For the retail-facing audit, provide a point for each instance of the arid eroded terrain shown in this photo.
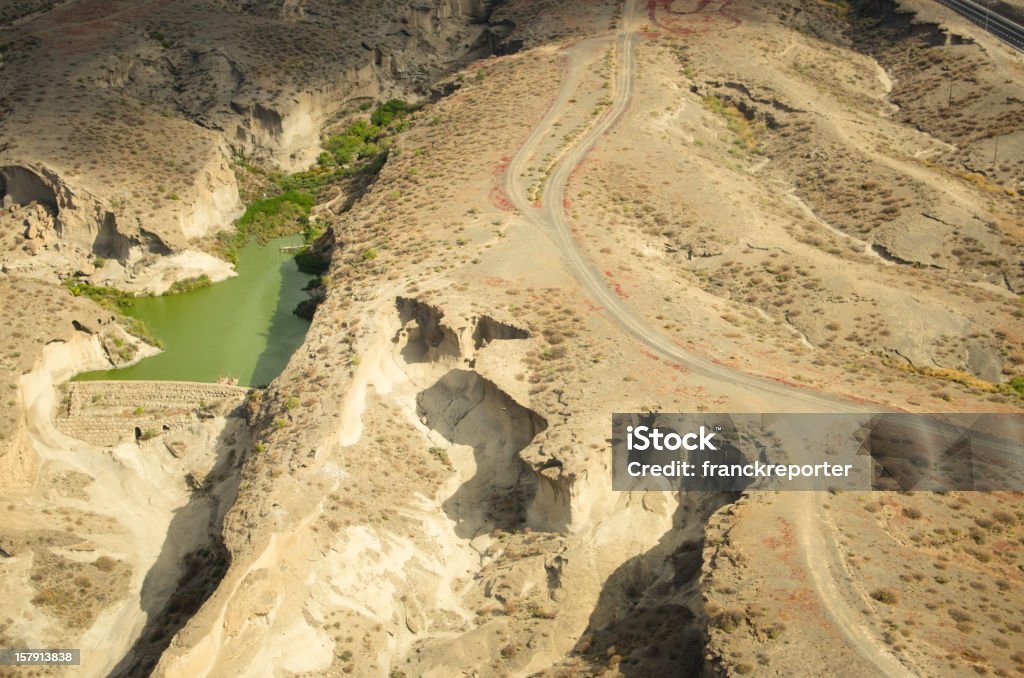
(524, 216)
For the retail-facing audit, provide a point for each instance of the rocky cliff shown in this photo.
(59, 336)
(122, 120)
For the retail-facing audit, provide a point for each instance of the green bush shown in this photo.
(114, 300)
(189, 285)
(270, 218)
(360, 150)
(441, 455)
(358, 141)
(109, 298)
(141, 330)
(388, 111)
(283, 214)
(160, 38)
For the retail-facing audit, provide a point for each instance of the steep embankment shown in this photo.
(102, 548)
(123, 117)
(430, 488)
(45, 344)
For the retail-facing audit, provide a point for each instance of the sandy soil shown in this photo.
(96, 493)
(165, 271)
(659, 210)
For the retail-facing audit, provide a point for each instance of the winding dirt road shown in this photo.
(551, 215)
(817, 545)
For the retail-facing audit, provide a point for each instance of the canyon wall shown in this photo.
(125, 140)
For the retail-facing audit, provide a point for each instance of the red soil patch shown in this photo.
(709, 16)
(498, 197)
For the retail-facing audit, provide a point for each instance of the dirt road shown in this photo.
(816, 537)
(821, 556)
(551, 215)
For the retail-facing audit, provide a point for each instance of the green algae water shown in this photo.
(242, 327)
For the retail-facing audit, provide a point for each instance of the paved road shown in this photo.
(1003, 28)
(774, 395)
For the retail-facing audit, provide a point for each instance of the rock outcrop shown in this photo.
(141, 125)
(72, 222)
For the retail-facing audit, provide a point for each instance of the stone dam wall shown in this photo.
(106, 413)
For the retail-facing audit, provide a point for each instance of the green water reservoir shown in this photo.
(242, 327)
